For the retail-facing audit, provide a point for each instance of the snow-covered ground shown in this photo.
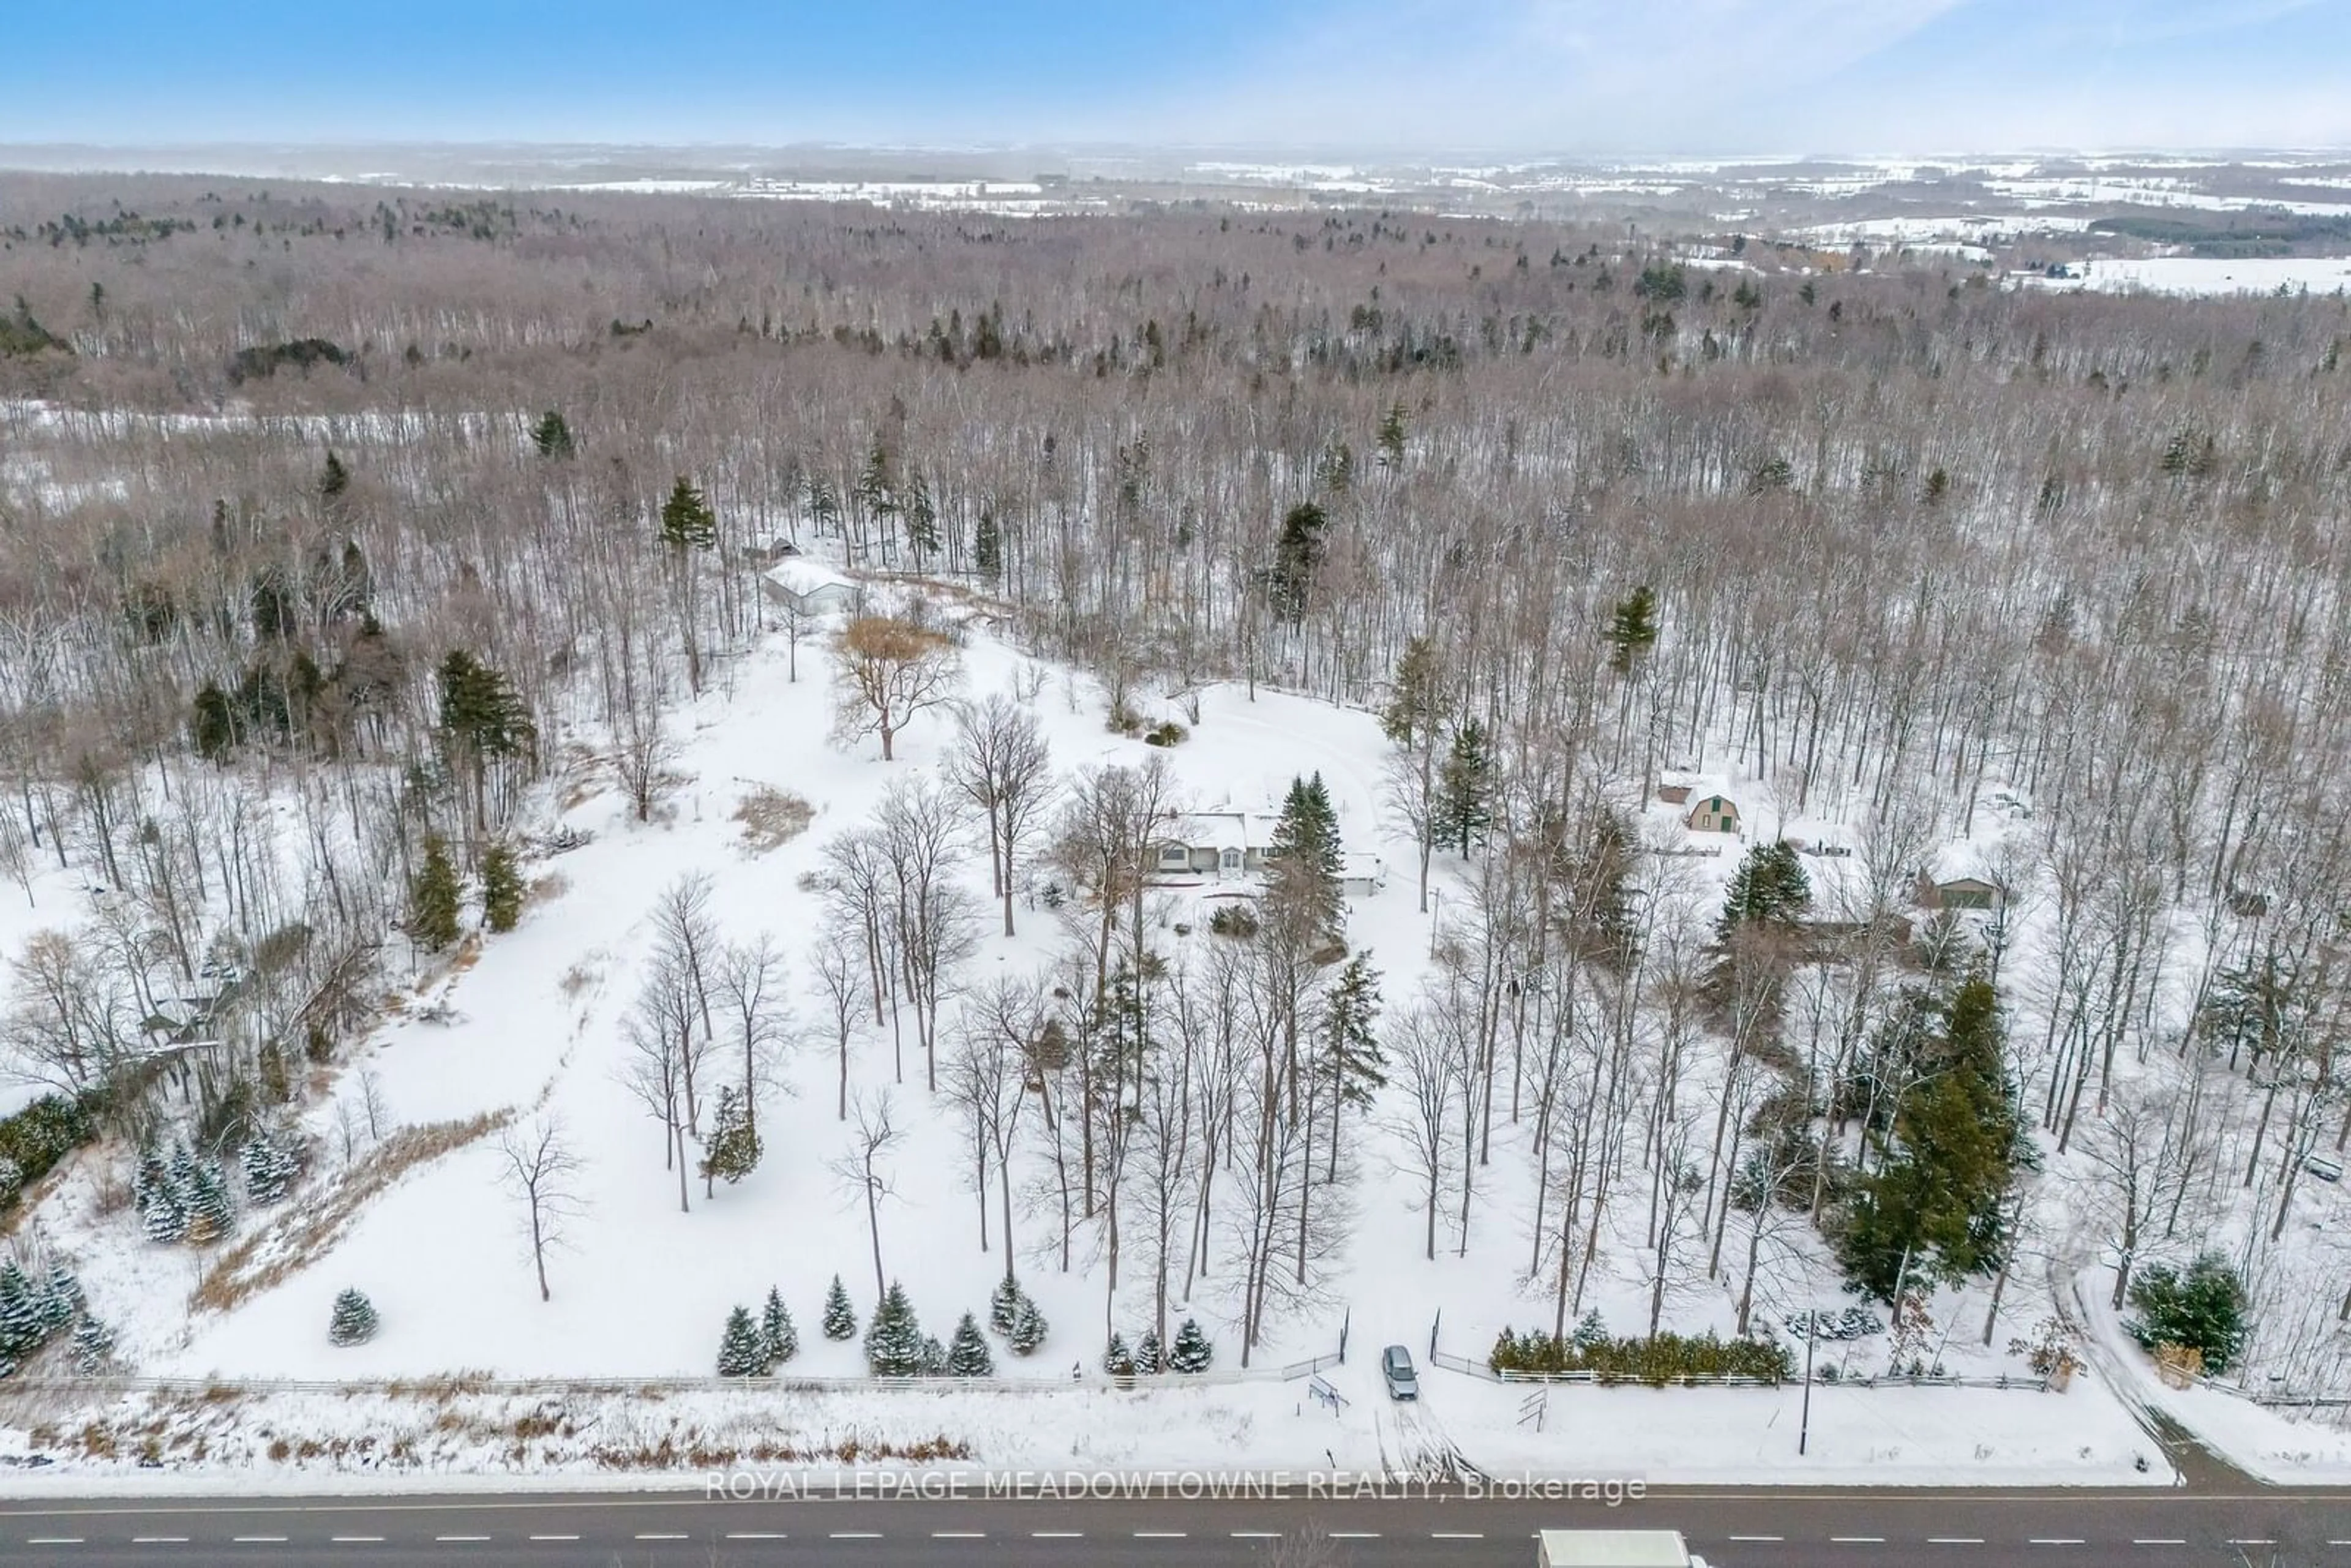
(2191, 275)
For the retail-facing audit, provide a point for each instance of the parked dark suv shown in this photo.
(1395, 1367)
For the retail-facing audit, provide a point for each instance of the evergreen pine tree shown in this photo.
(1305, 858)
(1349, 1063)
(894, 1339)
(1028, 1328)
(20, 1312)
(732, 1150)
(334, 479)
(1464, 789)
(61, 1301)
(968, 1353)
(840, 1317)
(922, 518)
(483, 718)
(1934, 1209)
(1117, 1360)
(778, 1340)
(552, 436)
(988, 547)
(211, 1213)
(1633, 628)
(1191, 1352)
(1769, 889)
(432, 897)
(1393, 431)
(92, 1342)
(501, 887)
(354, 1319)
(212, 725)
(686, 520)
(1417, 700)
(1150, 1360)
(1004, 1305)
(1298, 557)
(933, 1357)
(740, 1352)
(165, 1213)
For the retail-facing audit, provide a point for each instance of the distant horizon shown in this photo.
(1549, 79)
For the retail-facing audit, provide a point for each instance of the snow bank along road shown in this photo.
(1776, 1528)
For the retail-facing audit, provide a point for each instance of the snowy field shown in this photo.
(2191, 275)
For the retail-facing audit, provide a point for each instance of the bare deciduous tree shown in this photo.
(539, 1169)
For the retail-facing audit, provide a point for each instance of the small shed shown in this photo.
(807, 586)
(1362, 874)
(1966, 893)
(1713, 814)
(1674, 794)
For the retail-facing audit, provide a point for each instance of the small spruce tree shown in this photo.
(1191, 1354)
(894, 1339)
(1029, 1329)
(740, 1352)
(935, 1357)
(1004, 1305)
(501, 888)
(92, 1342)
(840, 1317)
(210, 1214)
(353, 1321)
(61, 1301)
(778, 1340)
(552, 436)
(1117, 1360)
(686, 520)
(1464, 789)
(1150, 1360)
(733, 1151)
(433, 898)
(968, 1353)
(21, 1330)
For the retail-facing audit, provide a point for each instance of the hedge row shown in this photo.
(36, 1137)
(1658, 1359)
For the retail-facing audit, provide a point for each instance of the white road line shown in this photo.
(456, 1540)
(756, 1535)
(1256, 1535)
(2253, 1540)
(1856, 1541)
(1756, 1538)
(158, 1541)
(958, 1535)
(2054, 1540)
(1457, 1535)
(1955, 1540)
(2169, 1541)
(53, 1541)
(555, 1538)
(356, 1540)
(660, 1535)
(256, 1540)
(838, 1535)
(1159, 1535)
(1354, 1535)
(1057, 1535)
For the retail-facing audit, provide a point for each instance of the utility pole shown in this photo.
(1811, 1337)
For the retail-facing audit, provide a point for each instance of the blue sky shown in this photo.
(1569, 75)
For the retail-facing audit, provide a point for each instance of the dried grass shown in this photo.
(303, 1232)
(771, 816)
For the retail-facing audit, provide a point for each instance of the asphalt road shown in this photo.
(1776, 1528)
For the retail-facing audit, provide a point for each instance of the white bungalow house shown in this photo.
(1219, 845)
(807, 586)
(1230, 843)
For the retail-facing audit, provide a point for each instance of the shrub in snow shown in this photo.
(1028, 1328)
(1004, 1305)
(12, 1180)
(92, 1342)
(1191, 1353)
(1149, 1359)
(1590, 1331)
(354, 1320)
(840, 1317)
(935, 1357)
(893, 1340)
(968, 1353)
(1659, 1359)
(778, 1340)
(1117, 1360)
(741, 1353)
(2200, 1308)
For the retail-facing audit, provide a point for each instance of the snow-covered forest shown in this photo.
(532, 721)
